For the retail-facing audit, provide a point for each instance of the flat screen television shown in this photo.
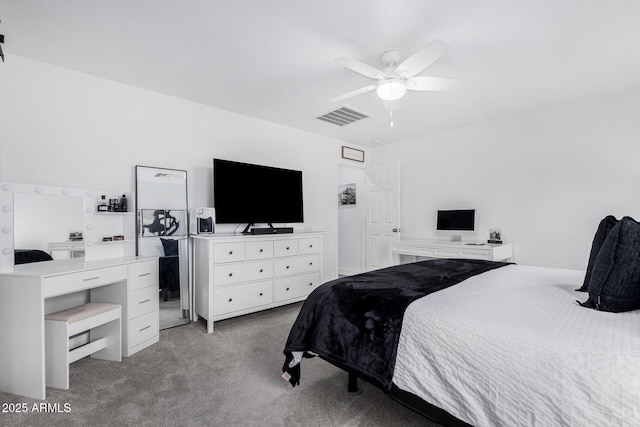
(456, 221)
(256, 194)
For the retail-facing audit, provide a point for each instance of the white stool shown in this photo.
(101, 320)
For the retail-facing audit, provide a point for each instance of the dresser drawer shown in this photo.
(295, 286)
(309, 245)
(286, 247)
(72, 282)
(444, 253)
(143, 328)
(243, 272)
(143, 301)
(228, 252)
(258, 250)
(425, 252)
(302, 264)
(242, 297)
(143, 274)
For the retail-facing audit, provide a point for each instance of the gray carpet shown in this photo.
(228, 378)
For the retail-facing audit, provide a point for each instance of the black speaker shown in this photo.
(272, 230)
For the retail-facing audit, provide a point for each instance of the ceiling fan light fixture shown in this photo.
(391, 89)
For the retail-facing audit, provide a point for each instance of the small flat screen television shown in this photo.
(457, 220)
(252, 194)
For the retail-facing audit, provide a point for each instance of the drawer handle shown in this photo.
(287, 289)
(287, 266)
(147, 300)
(261, 250)
(287, 247)
(144, 274)
(260, 293)
(261, 270)
(310, 263)
(230, 299)
(230, 274)
(310, 246)
(146, 327)
(311, 284)
(90, 278)
(230, 252)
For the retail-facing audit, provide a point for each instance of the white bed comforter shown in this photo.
(510, 347)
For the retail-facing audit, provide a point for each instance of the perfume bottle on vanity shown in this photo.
(102, 204)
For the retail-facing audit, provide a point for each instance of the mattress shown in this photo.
(511, 347)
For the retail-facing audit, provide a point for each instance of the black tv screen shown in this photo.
(456, 220)
(248, 193)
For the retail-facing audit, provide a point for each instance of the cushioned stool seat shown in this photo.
(100, 320)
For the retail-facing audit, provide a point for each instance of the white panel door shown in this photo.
(383, 214)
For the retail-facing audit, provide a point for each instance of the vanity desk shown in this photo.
(447, 249)
(33, 290)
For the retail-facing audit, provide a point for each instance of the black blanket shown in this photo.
(355, 321)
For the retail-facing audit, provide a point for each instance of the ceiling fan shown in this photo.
(397, 78)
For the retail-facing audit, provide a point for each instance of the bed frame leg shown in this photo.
(353, 388)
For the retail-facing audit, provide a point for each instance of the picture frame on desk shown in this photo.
(495, 236)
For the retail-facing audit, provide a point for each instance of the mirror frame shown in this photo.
(186, 265)
(7, 206)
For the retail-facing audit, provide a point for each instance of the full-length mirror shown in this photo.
(161, 203)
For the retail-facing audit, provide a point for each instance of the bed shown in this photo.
(26, 256)
(505, 346)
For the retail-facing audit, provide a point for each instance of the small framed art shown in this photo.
(347, 194)
(352, 154)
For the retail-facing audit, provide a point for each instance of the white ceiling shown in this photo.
(274, 60)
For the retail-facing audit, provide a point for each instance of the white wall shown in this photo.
(545, 178)
(351, 223)
(63, 128)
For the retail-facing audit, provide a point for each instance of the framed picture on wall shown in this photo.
(347, 194)
(352, 154)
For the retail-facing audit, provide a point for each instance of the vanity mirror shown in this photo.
(61, 222)
(50, 223)
(161, 230)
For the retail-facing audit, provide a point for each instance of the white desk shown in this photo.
(444, 249)
(36, 289)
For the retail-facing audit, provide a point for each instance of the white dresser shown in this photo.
(235, 275)
(445, 249)
(33, 290)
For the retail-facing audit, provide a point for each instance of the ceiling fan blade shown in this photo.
(353, 93)
(420, 60)
(425, 83)
(360, 68)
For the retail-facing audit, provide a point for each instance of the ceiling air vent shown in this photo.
(343, 116)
